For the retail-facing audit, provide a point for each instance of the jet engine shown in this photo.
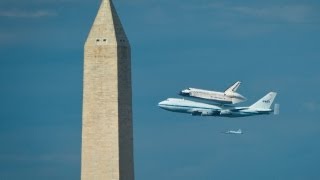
(225, 112)
(206, 113)
(203, 113)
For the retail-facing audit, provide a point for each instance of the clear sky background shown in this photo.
(268, 45)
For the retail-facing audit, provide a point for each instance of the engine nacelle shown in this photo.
(225, 112)
(206, 113)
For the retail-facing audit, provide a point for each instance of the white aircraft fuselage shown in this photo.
(218, 97)
(233, 132)
(229, 96)
(191, 107)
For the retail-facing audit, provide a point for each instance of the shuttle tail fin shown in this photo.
(233, 88)
(265, 102)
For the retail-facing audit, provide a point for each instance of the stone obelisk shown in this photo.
(107, 135)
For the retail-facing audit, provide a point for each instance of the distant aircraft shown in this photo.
(261, 107)
(229, 96)
(233, 132)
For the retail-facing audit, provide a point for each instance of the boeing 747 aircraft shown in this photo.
(261, 107)
(229, 96)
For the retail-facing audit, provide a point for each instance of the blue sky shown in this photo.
(268, 45)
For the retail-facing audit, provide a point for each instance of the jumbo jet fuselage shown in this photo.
(190, 107)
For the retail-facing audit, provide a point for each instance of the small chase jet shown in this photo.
(229, 96)
(233, 132)
(261, 107)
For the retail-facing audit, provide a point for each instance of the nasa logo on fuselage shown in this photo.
(266, 101)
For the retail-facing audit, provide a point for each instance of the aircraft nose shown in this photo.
(184, 92)
(160, 104)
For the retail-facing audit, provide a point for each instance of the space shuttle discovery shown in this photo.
(229, 96)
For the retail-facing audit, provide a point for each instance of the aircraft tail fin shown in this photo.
(233, 88)
(276, 109)
(265, 102)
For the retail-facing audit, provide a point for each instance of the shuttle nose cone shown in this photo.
(185, 92)
(160, 104)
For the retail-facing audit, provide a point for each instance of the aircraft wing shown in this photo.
(238, 108)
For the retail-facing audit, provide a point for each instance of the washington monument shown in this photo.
(107, 137)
